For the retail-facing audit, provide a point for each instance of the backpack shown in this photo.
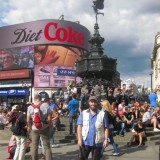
(37, 118)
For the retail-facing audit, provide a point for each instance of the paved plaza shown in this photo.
(70, 151)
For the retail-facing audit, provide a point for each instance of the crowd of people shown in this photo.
(96, 114)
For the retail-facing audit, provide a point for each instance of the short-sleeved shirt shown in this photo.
(53, 106)
(44, 110)
(97, 90)
(128, 115)
(153, 99)
(137, 129)
(121, 109)
(146, 116)
(90, 140)
(73, 106)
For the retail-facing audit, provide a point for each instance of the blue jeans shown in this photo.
(123, 127)
(73, 122)
(51, 132)
(112, 140)
(132, 124)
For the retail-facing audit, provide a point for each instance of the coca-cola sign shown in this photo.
(58, 32)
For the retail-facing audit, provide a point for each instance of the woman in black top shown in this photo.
(139, 132)
(111, 120)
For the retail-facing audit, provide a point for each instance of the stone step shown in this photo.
(64, 120)
(62, 138)
(58, 141)
(74, 141)
(147, 143)
(151, 143)
(155, 137)
(152, 133)
(69, 137)
(149, 129)
(126, 138)
(61, 133)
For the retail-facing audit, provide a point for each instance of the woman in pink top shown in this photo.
(121, 108)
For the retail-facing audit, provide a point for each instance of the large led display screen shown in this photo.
(48, 31)
(49, 46)
(17, 58)
(55, 65)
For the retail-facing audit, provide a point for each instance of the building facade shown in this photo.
(155, 64)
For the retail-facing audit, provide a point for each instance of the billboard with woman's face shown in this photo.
(52, 48)
(17, 58)
(50, 60)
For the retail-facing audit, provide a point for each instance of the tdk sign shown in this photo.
(66, 72)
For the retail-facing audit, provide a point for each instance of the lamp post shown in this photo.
(151, 74)
(75, 73)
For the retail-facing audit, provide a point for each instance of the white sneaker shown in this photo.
(39, 146)
(133, 130)
(54, 146)
(156, 130)
(115, 154)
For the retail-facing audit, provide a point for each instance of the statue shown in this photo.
(98, 4)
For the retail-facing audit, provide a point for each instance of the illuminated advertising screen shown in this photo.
(48, 31)
(49, 46)
(17, 58)
(55, 65)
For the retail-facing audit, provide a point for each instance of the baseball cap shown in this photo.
(14, 107)
(93, 98)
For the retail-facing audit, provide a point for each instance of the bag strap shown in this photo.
(37, 106)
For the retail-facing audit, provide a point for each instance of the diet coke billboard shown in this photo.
(55, 32)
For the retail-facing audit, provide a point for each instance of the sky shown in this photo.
(128, 26)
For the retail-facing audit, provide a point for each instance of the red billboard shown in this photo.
(14, 74)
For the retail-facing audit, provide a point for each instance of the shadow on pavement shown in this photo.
(71, 155)
(4, 144)
(126, 150)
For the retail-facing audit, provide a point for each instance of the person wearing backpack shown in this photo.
(19, 129)
(38, 120)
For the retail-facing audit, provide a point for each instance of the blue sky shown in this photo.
(129, 27)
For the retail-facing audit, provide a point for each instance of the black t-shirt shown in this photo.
(128, 115)
(137, 129)
(111, 119)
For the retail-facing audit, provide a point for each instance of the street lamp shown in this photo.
(151, 74)
(75, 72)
